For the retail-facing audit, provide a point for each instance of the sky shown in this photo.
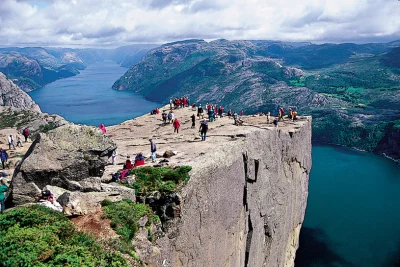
(111, 23)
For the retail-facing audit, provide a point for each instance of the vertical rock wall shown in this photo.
(245, 202)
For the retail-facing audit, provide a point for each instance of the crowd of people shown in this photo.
(213, 112)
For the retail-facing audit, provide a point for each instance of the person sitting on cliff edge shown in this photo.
(139, 160)
(128, 163)
(47, 199)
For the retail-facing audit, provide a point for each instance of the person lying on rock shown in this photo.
(47, 199)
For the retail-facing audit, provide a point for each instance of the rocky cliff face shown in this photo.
(245, 202)
(12, 96)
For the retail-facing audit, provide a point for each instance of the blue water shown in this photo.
(352, 216)
(88, 98)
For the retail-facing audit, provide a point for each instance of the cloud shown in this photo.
(119, 22)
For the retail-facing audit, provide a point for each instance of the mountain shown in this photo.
(352, 90)
(33, 67)
(12, 96)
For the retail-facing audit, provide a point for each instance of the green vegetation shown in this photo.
(38, 236)
(47, 127)
(298, 81)
(164, 180)
(124, 216)
(10, 118)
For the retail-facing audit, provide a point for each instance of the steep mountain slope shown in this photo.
(351, 90)
(33, 67)
(12, 96)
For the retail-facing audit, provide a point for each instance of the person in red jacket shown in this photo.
(176, 125)
(128, 163)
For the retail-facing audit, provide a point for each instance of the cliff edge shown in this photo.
(12, 95)
(245, 202)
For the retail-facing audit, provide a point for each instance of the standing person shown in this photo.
(203, 129)
(193, 121)
(241, 112)
(114, 157)
(281, 113)
(171, 116)
(268, 116)
(170, 103)
(164, 117)
(3, 189)
(11, 142)
(19, 142)
(3, 157)
(25, 132)
(103, 128)
(176, 125)
(200, 112)
(220, 111)
(153, 149)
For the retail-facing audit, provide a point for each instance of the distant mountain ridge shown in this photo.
(352, 90)
(33, 67)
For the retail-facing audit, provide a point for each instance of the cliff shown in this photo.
(13, 96)
(245, 202)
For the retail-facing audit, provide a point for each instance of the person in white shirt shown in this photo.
(11, 142)
(47, 200)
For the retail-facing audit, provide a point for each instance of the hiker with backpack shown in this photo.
(25, 133)
(203, 129)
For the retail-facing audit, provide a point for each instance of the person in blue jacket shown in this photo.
(3, 157)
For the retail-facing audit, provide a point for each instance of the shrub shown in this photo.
(38, 236)
(163, 179)
(124, 216)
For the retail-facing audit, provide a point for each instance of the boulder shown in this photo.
(82, 203)
(71, 157)
(168, 154)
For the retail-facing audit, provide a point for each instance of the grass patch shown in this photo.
(164, 180)
(38, 236)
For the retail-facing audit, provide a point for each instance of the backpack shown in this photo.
(115, 177)
(170, 116)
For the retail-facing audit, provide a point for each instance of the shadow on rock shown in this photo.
(315, 250)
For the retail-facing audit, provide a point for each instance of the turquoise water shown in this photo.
(88, 98)
(352, 217)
